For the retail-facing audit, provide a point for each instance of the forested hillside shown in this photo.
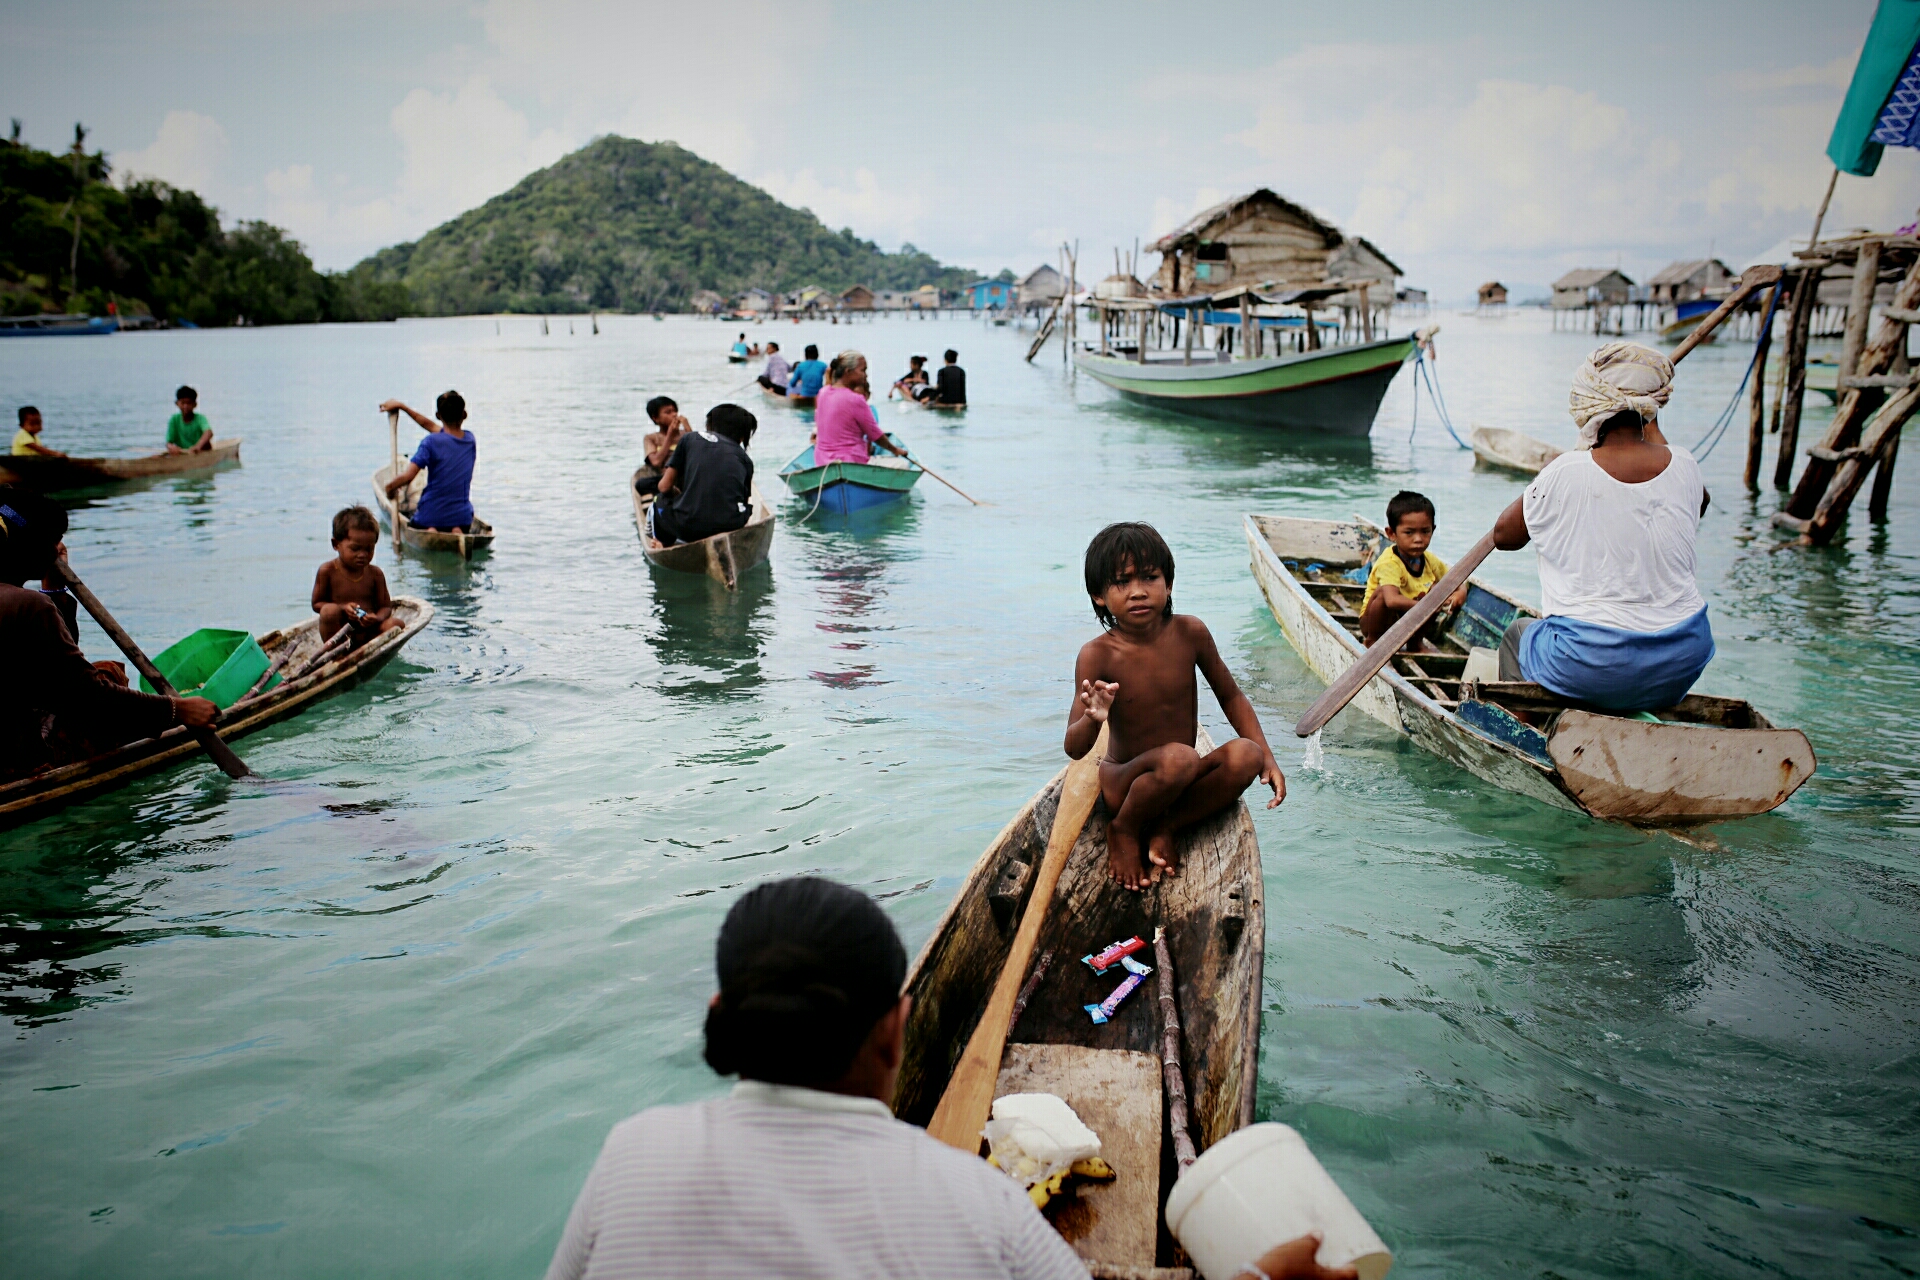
(622, 225)
(71, 240)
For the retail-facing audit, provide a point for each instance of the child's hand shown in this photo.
(1457, 599)
(1271, 775)
(1096, 698)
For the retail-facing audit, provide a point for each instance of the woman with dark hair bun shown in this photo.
(802, 1170)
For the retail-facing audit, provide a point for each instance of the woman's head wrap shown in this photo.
(1617, 377)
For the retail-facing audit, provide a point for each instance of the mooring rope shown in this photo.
(1706, 443)
(1423, 373)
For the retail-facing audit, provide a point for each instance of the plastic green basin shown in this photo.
(214, 664)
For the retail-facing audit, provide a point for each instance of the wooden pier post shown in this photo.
(1866, 274)
(1757, 406)
(1792, 395)
(1366, 315)
(1188, 358)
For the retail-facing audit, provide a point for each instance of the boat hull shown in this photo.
(845, 488)
(724, 556)
(52, 475)
(1708, 759)
(1333, 392)
(1215, 919)
(24, 799)
(1511, 450)
(465, 545)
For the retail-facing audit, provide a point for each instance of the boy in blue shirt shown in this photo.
(808, 375)
(447, 456)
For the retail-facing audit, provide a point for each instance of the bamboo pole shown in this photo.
(1171, 1070)
(1866, 273)
(1793, 394)
(1757, 405)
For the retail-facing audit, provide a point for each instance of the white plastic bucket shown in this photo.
(1261, 1187)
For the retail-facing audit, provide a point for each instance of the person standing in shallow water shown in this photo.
(447, 455)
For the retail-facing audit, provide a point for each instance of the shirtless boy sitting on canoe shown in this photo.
(350, 590)
(1138, 680)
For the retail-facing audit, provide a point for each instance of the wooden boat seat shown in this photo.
(1116, 1093)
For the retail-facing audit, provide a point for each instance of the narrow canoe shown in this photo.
(26, 798)
(846, 487)
(733, 359)
(724, 556)
(1215, 919)
(464, 545)
(1334, 391)
(1704, 760)
(50, 475)
(1511, 450)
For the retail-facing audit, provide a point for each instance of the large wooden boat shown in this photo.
(1707, 758)
(22, 799)
(1334, 391)
(724, 556)
(479, 536)
(51, 475)
(843, 488)
(1214, 915)
(1511, 450)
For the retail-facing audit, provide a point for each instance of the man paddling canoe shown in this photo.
(1624, 625)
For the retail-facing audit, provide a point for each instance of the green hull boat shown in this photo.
(1336, 391)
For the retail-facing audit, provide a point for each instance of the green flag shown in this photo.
(1871, 102)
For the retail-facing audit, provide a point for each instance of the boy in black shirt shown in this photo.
(707, 485)
(950, 387)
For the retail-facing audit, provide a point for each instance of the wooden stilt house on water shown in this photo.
(1242, 312)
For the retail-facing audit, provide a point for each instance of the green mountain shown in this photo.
(622, 225)
(70, 240)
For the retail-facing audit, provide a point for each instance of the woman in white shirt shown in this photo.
(1624, 625)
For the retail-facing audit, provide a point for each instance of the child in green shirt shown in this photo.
(188, 431)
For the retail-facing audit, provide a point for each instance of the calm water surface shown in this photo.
(375, 1019)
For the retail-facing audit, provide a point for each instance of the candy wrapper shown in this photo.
(1112, 955)
(1136, 974)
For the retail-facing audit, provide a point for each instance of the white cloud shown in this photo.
(887, 216)
(187, 151)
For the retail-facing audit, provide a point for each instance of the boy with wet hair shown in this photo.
(350, 590)
(1405, 571)
(659, 445)
(1138, 680)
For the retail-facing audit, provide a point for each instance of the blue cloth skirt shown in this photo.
(1615, 669)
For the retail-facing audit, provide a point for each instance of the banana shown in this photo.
(1092, 1167)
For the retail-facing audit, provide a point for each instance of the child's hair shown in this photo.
(916, 359)
(1404, 504)
(1117, 546)
(812, 352)
(953, 357)
(348, 519)
(450, 408)
(186, 393)
(655, 405)
(27, 411)
(733, 422)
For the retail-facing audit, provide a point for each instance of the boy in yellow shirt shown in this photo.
(1404, 572)
(26, 441)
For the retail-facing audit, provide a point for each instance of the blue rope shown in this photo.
(1725, 420)
(1423, 374)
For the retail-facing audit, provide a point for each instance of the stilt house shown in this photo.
(1691, 280)
(1591, 287)
(1257, 238)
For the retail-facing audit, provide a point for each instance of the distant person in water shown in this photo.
(910, 382)
(447, 456)
(778, 372)
(188, 430)
(808, 375)
(1137, 679)
(26, 440)
(951, 385)
(670, 425)
(707, 485)
(844, 421)
(350, 590)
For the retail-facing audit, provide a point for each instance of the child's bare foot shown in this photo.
(1123, 857)
(1161, 853)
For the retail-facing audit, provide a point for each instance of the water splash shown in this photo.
(1316, 755)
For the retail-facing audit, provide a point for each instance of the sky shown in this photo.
(1509, 141)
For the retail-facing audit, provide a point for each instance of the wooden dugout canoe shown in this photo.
(1511, 450)
(49, 475)
(23, 799)
(1215, 919)
(724, 556)
(464, 545)
(1706, 759)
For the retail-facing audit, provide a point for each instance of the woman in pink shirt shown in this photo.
(843, 421)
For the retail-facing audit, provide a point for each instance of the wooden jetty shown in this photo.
(722, 557)
(1215, 919)
(52, 475)
(1511, 450)
(22, 799)
(1706, 759)
(401, 508)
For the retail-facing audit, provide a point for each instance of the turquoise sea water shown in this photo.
(375, 1019)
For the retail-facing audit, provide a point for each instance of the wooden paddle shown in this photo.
(232, 765)
(393, 503)
(1368, 665)
(964, 1107)
(943, 480)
